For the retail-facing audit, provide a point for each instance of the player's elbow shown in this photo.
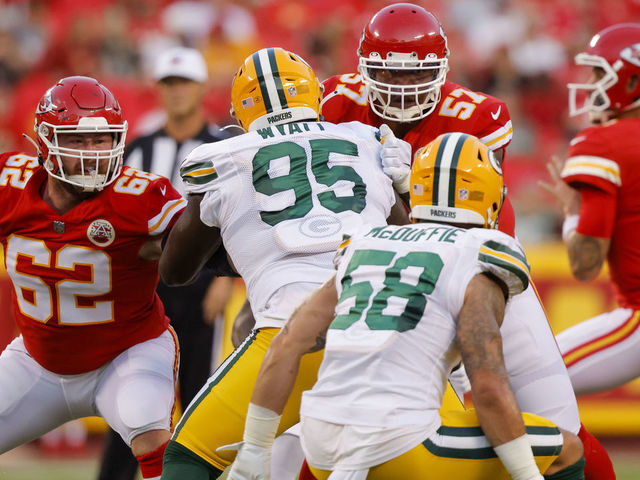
(172, 275)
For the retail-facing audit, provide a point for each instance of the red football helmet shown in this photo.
(80, 105)
(403, 62)
(615, 50)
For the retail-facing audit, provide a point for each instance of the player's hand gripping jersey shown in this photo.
(81, 293)
(400, 291)
(605, 157)
(283, 196)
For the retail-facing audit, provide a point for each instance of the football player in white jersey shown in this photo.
(410, 303)
(281, 197)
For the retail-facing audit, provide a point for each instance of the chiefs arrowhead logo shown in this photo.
(631, 54)
(101, 233)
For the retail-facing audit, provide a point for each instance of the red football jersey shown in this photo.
(459, 110)
(606, 157)
(81, 293)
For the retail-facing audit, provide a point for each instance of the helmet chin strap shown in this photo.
(33, 142)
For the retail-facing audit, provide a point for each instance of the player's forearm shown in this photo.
(188, 247)
(277, 376)
(496, 407)
(586, 255)
(179, 263)
(305, 332)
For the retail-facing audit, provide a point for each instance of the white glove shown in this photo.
(252, 462)
(396, 159)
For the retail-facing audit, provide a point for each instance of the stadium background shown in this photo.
(518, 50)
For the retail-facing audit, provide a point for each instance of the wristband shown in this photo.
(260, 426)
(569, 225)
(517, 458)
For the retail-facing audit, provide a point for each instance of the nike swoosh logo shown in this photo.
(496, 114)
(579, 139)
(163, 189)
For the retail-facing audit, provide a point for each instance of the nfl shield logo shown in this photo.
(58, 226)
(292, 91)
(463, 194)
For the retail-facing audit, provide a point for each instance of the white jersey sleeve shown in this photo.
(502, 256)
(202, 172)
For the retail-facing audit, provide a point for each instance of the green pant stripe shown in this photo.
(468, 453)
(546, 450)
(218, 375)
(449, 431)
(484, 452)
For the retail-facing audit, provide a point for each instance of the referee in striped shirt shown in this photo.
(181, 76)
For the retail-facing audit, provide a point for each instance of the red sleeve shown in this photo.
(493, 124)
(165, 205)
(476, 113)
(597, 213)
(590, 161)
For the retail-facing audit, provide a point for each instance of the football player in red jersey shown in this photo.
(598, 189)
(81, 237)
(414, 97)
(401, 81)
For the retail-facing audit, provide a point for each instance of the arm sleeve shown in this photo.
(165, 205)
(597, 212)
(502, 256)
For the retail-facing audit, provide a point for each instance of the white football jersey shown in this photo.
(283, 196)
(391, 345)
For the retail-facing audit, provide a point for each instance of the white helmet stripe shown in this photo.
(444, 167)
(268, 77)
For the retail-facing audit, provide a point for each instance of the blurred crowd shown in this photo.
(518, 50)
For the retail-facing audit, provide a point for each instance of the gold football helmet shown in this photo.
(457, 179)
(274, 86)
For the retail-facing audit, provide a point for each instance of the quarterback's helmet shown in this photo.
(457, 179)
(274, 86)
(407, 42)
(615, 50)
(80, 105)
